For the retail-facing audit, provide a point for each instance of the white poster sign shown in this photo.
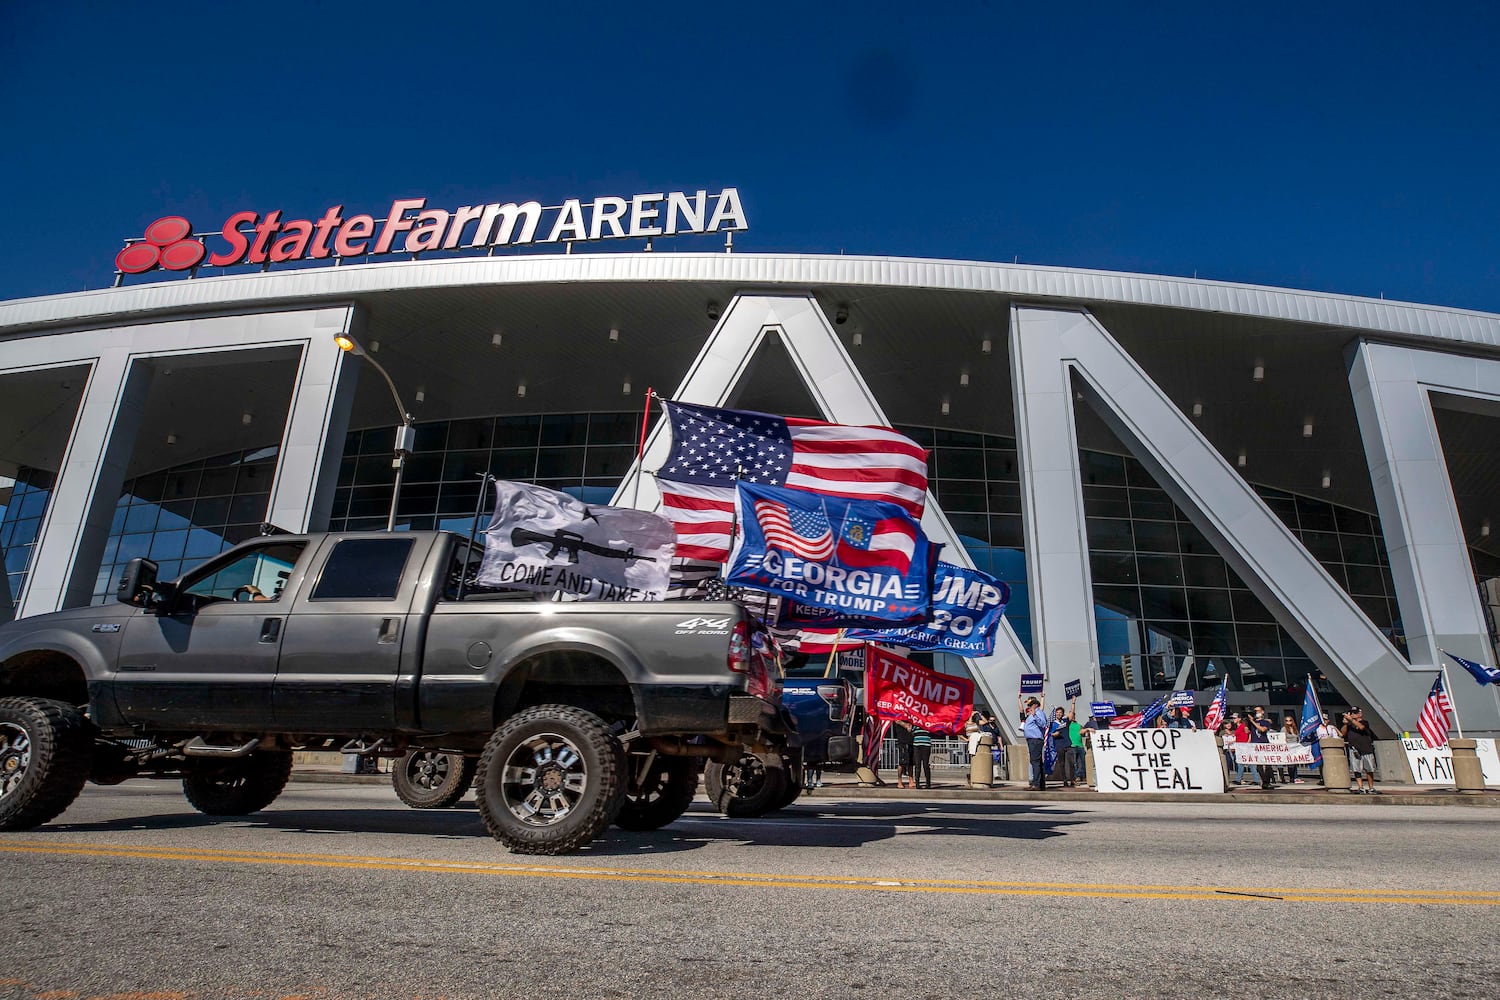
(540, 539)
(1157, 760)
(1273, 754)
(1435, 767)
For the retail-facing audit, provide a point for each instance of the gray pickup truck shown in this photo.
(573, 715)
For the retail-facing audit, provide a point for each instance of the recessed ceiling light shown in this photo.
(521, 389)
(245, 418)
(1259, 372)
(1197, 409)
(1240, 461)
(496, 339)
(1307, 427)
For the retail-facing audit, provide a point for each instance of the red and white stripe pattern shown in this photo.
(713, 448)
(1433, 723)
(804, 534)
(861, 463)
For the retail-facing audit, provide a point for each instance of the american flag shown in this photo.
(1141, 719)
(1433, 723)
(801, 532)
(713, 448)
(1215, 714)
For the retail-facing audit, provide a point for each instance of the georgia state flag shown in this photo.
(865, 543)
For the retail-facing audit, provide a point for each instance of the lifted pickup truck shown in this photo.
(575, 715)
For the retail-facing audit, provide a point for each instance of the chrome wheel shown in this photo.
(428, 769)
(544, 779)
(15, 757)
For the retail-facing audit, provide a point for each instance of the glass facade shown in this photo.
(1161, 591)
(21, 522)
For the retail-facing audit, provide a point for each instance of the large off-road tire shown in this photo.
(236, 787)
(662, 796)
(46, 750)
(431, 779)
(746, 788)
(550, 780)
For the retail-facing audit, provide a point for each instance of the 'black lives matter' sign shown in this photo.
(1157, 760)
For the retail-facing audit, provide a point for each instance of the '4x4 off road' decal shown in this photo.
(703, 626)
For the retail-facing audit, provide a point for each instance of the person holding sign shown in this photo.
(1064, 768)
(1260, 732)
(1034, 728)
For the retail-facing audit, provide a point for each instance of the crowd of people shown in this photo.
(1069, 738)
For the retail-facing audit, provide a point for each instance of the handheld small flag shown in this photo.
(1480, 672)
(1141, 719)
(1312, 721)
(1433, 722)
(1214, 717)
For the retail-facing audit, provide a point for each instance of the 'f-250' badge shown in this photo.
(107, 627)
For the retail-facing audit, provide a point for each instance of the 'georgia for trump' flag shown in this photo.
(860, 557)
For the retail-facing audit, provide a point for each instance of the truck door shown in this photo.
(341, 654)
(208, 662)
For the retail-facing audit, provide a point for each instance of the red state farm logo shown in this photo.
(167, 244)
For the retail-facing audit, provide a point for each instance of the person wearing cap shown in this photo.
(1361, 742)
(1034, 728)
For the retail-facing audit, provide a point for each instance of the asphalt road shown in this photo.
(340, 891)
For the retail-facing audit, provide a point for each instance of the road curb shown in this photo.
(1240, 796)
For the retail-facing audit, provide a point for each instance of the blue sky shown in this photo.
(1339, 147)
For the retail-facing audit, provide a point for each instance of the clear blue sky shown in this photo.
(1340, 147)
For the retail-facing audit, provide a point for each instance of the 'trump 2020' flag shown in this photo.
(963, 619)
(543, 540)
(791, 543)
(897, 688)
(714, 448)
(1433, 722)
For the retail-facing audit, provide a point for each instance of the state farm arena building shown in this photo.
(1181, 480)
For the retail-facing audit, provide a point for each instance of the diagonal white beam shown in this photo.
(1323, 619)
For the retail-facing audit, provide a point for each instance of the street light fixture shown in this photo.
(406, 434)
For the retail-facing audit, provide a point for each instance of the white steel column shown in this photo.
(1323, 619)
(316, 425)
(75, 528)
(1418, 515)
(843, 397)
(1065, 641)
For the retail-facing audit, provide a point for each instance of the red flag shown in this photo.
(897, 688)
(1433, 723)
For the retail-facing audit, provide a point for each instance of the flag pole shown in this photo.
(833, 654)
(640, 452)
(1448, 686)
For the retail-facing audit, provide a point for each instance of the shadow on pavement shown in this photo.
(805, 824)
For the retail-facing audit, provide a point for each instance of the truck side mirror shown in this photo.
(137, 583)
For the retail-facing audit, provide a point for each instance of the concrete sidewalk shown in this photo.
(845, 787)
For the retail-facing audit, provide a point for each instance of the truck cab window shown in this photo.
(257, 575)
(363, 569)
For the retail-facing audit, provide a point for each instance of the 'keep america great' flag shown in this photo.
(714, 448)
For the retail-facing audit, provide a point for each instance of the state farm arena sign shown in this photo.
(412, 227)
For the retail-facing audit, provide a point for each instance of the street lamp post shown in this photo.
(406, 434)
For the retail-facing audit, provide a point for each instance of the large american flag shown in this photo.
(1433, 723)
(712, 448)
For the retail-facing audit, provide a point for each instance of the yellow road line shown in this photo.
(762, 880)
